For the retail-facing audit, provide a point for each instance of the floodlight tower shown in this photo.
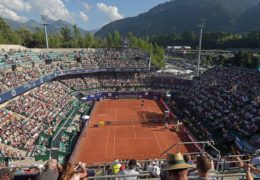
(201, 26)
(44, 22)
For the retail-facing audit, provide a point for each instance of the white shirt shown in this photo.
(256, 161)
(128, 172)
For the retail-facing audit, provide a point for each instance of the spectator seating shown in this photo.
(223, 101)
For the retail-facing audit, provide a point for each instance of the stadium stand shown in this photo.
(42, 123)
(30, 65)
(223, 101)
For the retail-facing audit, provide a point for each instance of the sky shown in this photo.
(87, 14)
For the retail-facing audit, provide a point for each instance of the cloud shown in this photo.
(9, 14)
(86, 6)
(16, 5)
(83, 16)
(55, 9)
(110, 11)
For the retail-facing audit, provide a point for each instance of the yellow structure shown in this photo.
(101, 123)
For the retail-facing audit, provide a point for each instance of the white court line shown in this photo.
(133, 128)
(102, 114)
(157, 142)
(138, 138)
(107, 140)
(164, 140)
(145, 120)
(136, 155)
(114, 148)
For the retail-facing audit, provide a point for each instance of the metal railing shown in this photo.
(202, 150)
(148, 176)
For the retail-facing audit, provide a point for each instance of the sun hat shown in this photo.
(175, 161)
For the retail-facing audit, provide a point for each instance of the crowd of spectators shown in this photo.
(11, 79)
(221, 101)
(40, 110)
(125, 58)
(11, 152)
(35, 66)
(175, 166)
(13, 56)
(116, 82)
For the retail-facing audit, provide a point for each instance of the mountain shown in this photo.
(53, 27)
(183, 15)
(238, 6)
(249, 20)
(93, 31)
(17, 25)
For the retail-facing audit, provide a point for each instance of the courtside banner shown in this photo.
(116, 95)
(85, 71)
(191, 138)
(26, 87)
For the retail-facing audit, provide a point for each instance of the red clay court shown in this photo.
(131, 132)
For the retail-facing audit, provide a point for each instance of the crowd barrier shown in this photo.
(167, 108)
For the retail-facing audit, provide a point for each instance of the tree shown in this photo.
(66, 34)
(38, 38)
(109, 40)
(55, 40)
(188, 36)
(5, 31)
(7, 35)
(76, 37)
(116, 39)
(132, 40)
(26, 36)
(89, 40)
(238, 56)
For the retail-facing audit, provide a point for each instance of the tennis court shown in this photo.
(130, 131)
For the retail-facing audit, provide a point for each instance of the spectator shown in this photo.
(256, 160)
(176, 167)
(51, 171)
(131, 170)
(154, 169)
(72, 172)
(250, 168)
(116, 167)
(6, 174)
(204, 165)
(188, 159)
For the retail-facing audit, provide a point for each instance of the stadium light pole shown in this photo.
(201, 26)
(44, 22)
(150, 62)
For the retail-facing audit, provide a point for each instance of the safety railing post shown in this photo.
(203, 149)
(224, 165)
(218, 162)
